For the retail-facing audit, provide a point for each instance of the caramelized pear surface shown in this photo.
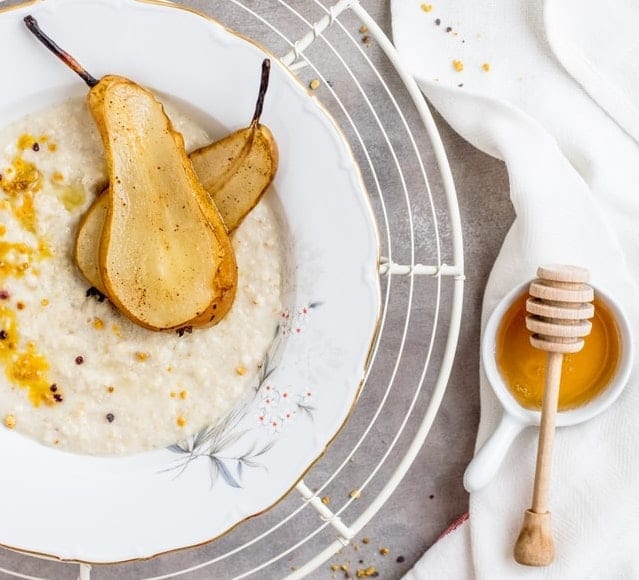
(165, 259)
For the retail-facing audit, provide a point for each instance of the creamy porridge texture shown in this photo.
(74, 373)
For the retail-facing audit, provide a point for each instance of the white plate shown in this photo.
(114, 509)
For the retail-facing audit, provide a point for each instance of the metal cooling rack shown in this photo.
(394, 139)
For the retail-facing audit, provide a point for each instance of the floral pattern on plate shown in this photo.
(273, 408)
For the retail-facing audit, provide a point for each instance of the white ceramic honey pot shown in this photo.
(516, 418)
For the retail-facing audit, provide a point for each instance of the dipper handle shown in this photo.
(558, 307)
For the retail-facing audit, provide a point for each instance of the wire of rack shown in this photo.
(379, 107)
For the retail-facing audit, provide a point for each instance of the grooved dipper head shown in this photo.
(559, 308)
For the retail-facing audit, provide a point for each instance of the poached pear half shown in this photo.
(165, 258)
(237, 170)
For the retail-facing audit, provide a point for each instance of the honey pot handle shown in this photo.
(487, 460)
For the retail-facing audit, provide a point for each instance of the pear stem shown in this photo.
(33, 26)
(266, 72)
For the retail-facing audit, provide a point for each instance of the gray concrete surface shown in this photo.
(431, 496)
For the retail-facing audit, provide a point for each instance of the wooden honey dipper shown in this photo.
(558, 308)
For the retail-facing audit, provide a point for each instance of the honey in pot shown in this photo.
(584, 374)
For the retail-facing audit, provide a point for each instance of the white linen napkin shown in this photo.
(553, 90)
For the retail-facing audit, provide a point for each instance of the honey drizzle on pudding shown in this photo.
(584, 374)
(24, 366)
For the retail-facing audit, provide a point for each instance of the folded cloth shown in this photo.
(553, 91)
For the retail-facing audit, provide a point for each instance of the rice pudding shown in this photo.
(76, 374)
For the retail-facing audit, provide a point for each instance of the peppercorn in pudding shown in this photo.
(74, 372)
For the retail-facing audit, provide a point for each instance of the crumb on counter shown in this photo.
(181, 421)
(110, 389)
(326, 500)
(384, 551)
(426, 7)
(240, 370)
(10, 421)
(369, 572)
(485, 67)
(184, 395)
(458, 65)
(366, 540)
(44, 302)
(314, 84)
(355, 494)
(363, 29)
